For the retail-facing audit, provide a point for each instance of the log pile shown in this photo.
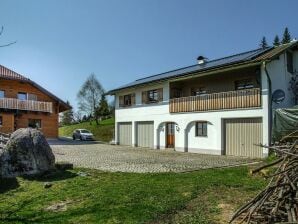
(278, 202)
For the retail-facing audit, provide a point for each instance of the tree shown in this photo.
(5, 45)
(67, 117)
(89, 96)
(103, 108)
(276, 41)
(263, 43)
(286, 36)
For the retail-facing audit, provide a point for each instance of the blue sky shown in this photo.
(60, 42)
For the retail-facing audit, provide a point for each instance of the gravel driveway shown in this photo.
(127, 159)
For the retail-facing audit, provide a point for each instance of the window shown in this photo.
(1, 121)
(290, 62)
(127, 100)
(244, 84)
(2, 94)
(152, 95)
(199, 91)
(201, 129)
(176, 93)
(32, 97)
(34, 123)
(22, 96)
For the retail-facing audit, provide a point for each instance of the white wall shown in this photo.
(280, 78)
(185, 131)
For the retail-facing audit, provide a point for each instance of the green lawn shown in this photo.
(102, 132)
(196, 197)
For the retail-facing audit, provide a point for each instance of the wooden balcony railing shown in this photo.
(247, 98)
(29, 105)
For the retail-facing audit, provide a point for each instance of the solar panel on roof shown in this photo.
(246, 56)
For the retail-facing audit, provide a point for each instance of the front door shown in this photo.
(170, 135)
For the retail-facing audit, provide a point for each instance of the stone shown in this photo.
(27, 152)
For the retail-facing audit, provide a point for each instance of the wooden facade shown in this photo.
(17, 113)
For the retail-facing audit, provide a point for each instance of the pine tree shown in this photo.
(276, 41)
(67, 116)
(263, 43)
(103, 109)
(286, 36)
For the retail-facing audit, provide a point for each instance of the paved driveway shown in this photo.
(127, 159)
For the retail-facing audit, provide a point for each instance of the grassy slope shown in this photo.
(101, 197)
(102, 132)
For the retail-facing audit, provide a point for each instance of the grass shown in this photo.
(103, 197)
(102, 132)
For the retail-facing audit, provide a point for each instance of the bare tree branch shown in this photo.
(6, 45)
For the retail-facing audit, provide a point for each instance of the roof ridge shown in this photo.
(214, 60)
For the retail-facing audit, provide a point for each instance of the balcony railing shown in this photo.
(247, 98)
(29, 105)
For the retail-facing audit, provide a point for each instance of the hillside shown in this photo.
(102, 132)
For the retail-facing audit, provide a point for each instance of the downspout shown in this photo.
(269, 100)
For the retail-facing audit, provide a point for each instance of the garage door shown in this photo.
(125, 133)
(145, 134)
(241, 135)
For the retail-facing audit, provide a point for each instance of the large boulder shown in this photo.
(27, 152)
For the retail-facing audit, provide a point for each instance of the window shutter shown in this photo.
(160, 94)
(144, 97)
(133, 99)
(121, 101)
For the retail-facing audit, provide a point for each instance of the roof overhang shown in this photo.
(194, 74)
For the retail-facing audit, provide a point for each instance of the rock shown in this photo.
(82, 174)
(47, 185)
(27, 152)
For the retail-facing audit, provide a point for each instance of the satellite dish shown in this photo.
(278, 96)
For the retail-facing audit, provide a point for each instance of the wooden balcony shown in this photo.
(28, 105)
(248, 98)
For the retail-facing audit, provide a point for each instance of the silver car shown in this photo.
(82, 134)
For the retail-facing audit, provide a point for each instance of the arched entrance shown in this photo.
(166, 132)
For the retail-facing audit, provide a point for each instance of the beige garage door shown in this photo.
(145, 134)
(125, 133)
(241, 135)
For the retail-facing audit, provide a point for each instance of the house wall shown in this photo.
(280, 79)
(185, 139)
(20, 119)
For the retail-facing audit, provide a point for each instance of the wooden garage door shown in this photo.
(241, 135)
(145, 134)
(125, 133)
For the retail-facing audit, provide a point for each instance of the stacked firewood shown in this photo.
(278, 202)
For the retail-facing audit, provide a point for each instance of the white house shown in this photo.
(221, 107)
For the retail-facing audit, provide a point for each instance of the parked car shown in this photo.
(82, 134)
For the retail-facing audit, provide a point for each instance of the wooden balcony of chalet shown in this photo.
(238, 99)
(26, 105)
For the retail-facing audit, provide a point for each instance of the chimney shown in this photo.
(201, 60)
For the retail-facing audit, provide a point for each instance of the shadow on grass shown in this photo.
(54, 175)
(7, 184)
